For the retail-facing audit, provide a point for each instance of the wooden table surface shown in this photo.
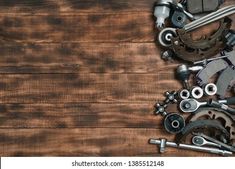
(80, 78)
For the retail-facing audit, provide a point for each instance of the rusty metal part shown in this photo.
(194, 50)
(212, 127)
(226, 119)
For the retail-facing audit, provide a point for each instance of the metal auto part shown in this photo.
(163, 143)
(162, 12)
(213, 127)
(174, 123)
(206, 61)
(221, 144)
(178, 19)
(231, 57)
(210, 70)
(160, 109)
(230, 39)
(202, 6)
(184, 94)
(192, 105)
(225, 80)
(197, 92)
(183, 72)
(210, 18)
(216, 114)
(200, 141)
(210, 89)
(191, 50)
(171, 97)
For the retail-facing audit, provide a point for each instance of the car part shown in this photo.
(231, 58)
(202, 6)
(164, 143)
(213, 127)
(174, 123)
(165, 36)
(206, 61)
(230, 39)
(223, 117)
(171, 97)
(197, 92)
(191, 50)
(183, 72)
(178, 19)
(184, 94)
(192, 105)
(222, 105)
(200, 141)
(210, 70)
(160, 109)
(210, 89)
(221, 144)
(167, 55)
(225, 80)
(210, 18)
(162, 11)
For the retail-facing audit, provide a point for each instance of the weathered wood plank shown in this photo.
(78, 115)
(73, 6)
(58, 88)
(90, 27)
(124, 27)
(84, 142)
(81, 58)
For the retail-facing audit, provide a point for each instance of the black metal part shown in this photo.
(178, 19)
(160, 109)
(183, 74)
(174, 123)
(167, 55)
(171, 97)
(212, 126)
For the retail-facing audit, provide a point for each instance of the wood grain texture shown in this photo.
(79, 27)
(74, 6)
(84, 142)
(81, 58)
(73, 115)
(67, 88)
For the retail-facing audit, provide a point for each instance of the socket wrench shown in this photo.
(189, 147)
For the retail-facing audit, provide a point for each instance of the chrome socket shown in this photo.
(197, 92)
(210, 89)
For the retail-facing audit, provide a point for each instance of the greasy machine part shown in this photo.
(225, 119)
(194, 50)
(211, 127)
